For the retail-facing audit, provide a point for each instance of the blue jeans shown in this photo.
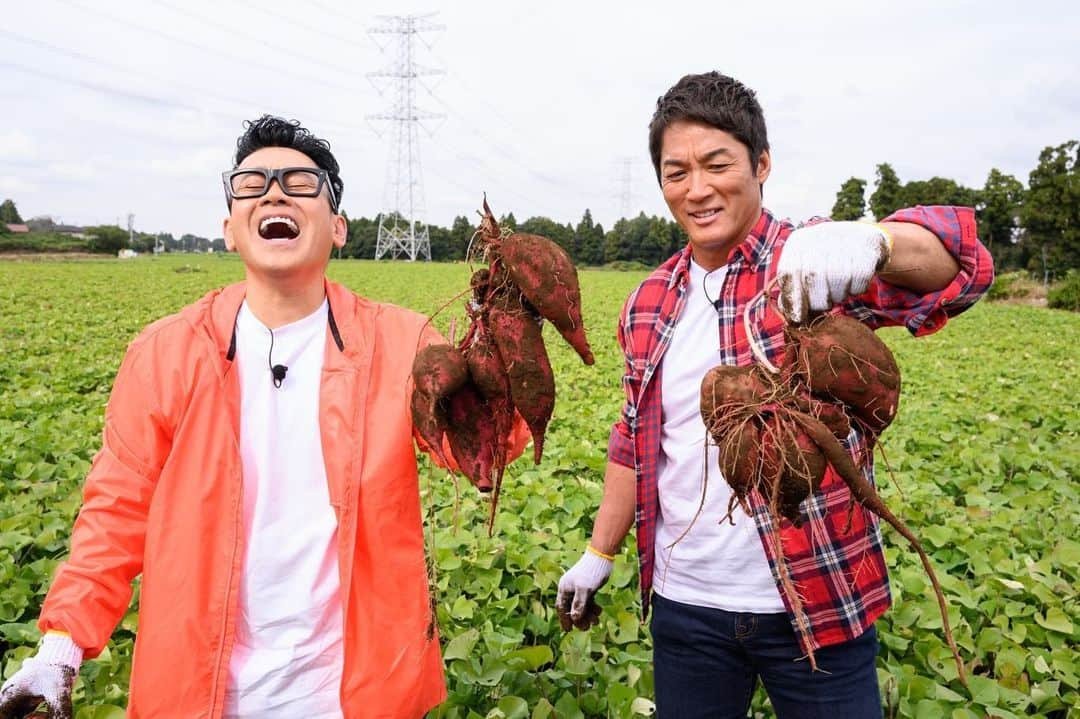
(707, 662)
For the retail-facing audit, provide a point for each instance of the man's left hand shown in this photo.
(821, 265)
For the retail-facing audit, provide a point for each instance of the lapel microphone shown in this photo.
(276, 370)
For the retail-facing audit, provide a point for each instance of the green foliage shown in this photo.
(1051, 213)
(998, 213)
(1065, 295)
(589, 241)
(850, 200)
(42, 242)
(984, 458)
(1037, 229)
(9, 213)
(107, 239)
(888, 194)
(938, 191)
(627, 266)
(1016, 285)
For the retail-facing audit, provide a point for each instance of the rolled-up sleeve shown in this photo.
(886, 304)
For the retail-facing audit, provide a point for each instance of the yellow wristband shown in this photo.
(888, 236)
(61, 632)
(597, 552)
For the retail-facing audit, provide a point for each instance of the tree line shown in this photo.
(1034, 228)
(642, 239)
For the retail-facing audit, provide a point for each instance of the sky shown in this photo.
(117, 107)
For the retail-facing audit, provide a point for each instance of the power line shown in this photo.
(243, 62)
(278, 52)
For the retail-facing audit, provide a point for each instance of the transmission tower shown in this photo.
(626, 195)
(402, 230)
(131, 230)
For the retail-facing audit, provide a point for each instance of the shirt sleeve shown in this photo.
(887, 304)
(92, 588)
(621, 439)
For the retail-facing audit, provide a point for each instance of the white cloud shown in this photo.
(10, 185)
(16, 145)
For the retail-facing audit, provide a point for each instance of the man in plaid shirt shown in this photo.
(720, 620)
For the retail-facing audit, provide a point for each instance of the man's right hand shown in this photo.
(577, 588)
(46, 677)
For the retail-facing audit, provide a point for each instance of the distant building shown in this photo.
(79, 233)
(16, 229)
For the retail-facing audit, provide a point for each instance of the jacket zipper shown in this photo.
(228, 604)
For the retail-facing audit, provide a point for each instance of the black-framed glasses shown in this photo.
(251, 182)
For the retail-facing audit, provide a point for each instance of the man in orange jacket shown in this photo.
(258, 471)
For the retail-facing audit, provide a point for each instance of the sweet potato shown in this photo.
(726, 388)
(491, 379)
(867, 496)
(840, 358)
(792, 463)
(740, 456)
(532, 382)
(438, 371)
(546, 276)
(472, 435)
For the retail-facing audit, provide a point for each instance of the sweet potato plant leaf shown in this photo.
(530, 658)
(1055, 620)
(513, 707)
(461, 646)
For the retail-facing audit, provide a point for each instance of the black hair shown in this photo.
(271, 131)
(715, 100)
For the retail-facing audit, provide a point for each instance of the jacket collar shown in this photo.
(225, 306)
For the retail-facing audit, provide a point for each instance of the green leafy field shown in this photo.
(984, 455)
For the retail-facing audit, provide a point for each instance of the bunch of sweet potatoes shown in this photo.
(469, 393)
(778, 433)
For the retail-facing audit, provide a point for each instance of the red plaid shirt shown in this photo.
(840, 575)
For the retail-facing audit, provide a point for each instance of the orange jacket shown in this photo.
(163, 498)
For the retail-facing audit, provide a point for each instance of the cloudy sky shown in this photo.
(111, 107)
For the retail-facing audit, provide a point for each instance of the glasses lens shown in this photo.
(248, 184)
(302, 182)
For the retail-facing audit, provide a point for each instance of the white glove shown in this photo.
(821, 265)
(580, 584)
(48, 677)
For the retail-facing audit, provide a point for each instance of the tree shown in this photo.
(850, 200)
(461, 232)
(508, 221)
(8, 213)
(361, 238)
(1051, 211)
(108, 239)
(998, 212)
(888, 194)
(561, 235)
(938, 191)
(589, 239)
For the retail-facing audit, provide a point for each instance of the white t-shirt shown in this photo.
(715, 564)
(287, 659)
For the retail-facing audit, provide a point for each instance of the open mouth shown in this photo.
(278, 228)
(704, 214)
